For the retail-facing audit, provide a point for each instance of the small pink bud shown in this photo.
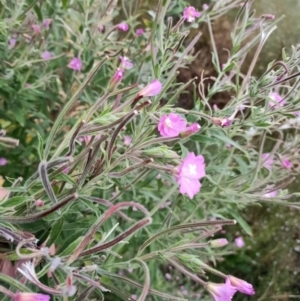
(75, 64)
(218, 243)
(205, 6)
(127, 140)
(241, 285)
(46, 55)
(152, 89)
(286, 163)
(190, 130)
(122, 26)
(36, 29)
(3, 161)
(268, 16)
(116, 79)
(39, 203)
(47, 23)
(190, 13)
(239, 242)
(12, 43)
(31, 297)
(139, 32)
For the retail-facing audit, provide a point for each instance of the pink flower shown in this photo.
(168, 276)
(36, 28)
(3, 161)
(125, 63)
(277, 101)
(122, 26)
(241, 285)
(191, 170)
(190, 13)
(151, 89)
(239, 242)
(171, 125)
(205, 6)
(31, 297)
(218, 243)
(127, 140)
(116, 79)
(46, 55)
(190, 130)
(223, 122)
(75, 64)
(139, 32)
(222, 291)
(39, 203)
(286, 163)
(271, 192)
(12, 43)
(267, 161)
(47, 23)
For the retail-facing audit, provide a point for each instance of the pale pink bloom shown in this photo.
(27, 85)
(130, 270)
(241, 285)
(277, 100)
(46, 55)
(226, 122)
(239, 242)
(168, 276)
(190, 13)
(171, 125)
(190, 130)
(218, 243)
(12, 43)
(271, 192)
(31, 297)
(215, 107)
(191, 170)
(286, 163)
(36, 28)
(267, 161)
(121, 273)
(75, 64)
(205, 6)
(151, 89)
(223, 122)
(125, 63)
(139, 32)
(127, 140)
(3, 161)
(122, 26)
(39, 203)
(116, 79)
(228, 145)
(47, 23)
(221, 291)
(134, 297)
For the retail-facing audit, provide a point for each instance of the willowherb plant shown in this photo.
(117, 197)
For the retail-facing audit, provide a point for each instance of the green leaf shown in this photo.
(15, 201)
(70, 249)
(38, 12)
(40, 146)
(19, 115)
(241, 222)
(64, 3)
(220, 135)
(55, 231)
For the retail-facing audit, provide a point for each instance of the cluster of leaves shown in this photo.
(108, 206)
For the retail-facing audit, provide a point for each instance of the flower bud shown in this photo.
(218, 243)
(31, 297)
(116, 79)
(190, 130)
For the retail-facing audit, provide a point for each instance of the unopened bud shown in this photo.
(218, 243)
(190, 130)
